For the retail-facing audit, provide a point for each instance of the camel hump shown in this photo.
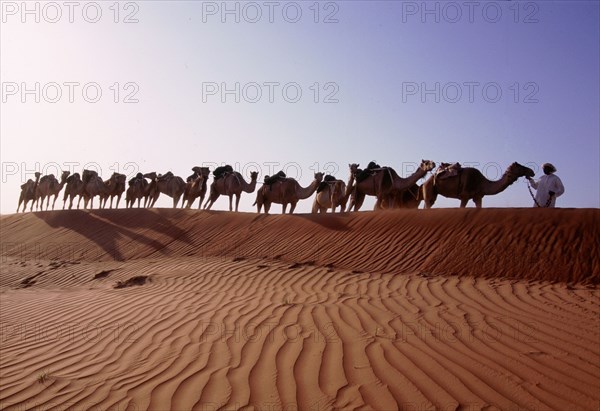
(49, 177)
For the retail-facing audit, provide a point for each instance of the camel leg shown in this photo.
(391, 202)
(315, 207)
(284, 207)
(478, 201)
(463, 202)
(237, 201)
(360, 198)
(292, 208)
(267, 207)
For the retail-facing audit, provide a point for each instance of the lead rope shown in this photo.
(535, 201)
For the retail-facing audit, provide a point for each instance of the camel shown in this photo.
(362, 188)
(168, 184)
(391, 184)
(49, 186)
(28, 191)
(330, 194)
(73, 188)
(93, 186)
(231, 184)
(138, 188)
(471, 184)
(285, 191)
(115, 187)
(383, 183)
(409, 198)
(196, 187)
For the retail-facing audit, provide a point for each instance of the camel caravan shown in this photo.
(389, 189)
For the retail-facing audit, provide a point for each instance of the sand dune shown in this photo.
(411, 310)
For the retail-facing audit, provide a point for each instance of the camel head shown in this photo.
(353, 168)
(318, 177)
(519, 170)
(254, 176)
(151, 176)
(427, 165)
(38, 174)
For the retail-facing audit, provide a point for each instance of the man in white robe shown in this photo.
(548, 187)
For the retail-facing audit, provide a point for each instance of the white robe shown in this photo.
(543, 186)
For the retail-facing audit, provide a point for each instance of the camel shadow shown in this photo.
(331, 221)
(105, 227)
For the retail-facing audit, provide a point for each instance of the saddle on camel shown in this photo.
(164, 177)
(372, 169)
(222, 171)
(138, 177)
(270, 180)
(328, 180)
(446, 170)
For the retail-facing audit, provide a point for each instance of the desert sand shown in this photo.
(161, 309)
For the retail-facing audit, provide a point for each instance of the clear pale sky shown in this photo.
(390, 81)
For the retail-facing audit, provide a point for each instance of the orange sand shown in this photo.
(441, 309)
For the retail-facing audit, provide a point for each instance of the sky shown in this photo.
(303, 87)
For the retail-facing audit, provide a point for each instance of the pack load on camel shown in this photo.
(446, 170)
(329, 179)
(135, 179)
(371, 169)
(269, 180)
(164, 177)
(222, 171)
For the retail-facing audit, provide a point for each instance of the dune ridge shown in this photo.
(547, 245)
(240, 311)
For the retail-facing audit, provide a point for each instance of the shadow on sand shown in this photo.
(106, 227)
